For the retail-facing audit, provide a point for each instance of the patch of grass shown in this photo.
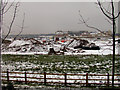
(61, 63)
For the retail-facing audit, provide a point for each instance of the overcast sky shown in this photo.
(48, 17)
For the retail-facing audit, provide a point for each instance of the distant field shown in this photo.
(60, 64)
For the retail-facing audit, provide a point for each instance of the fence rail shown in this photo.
(66, 79)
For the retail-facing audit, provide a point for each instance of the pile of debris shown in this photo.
(52, 47)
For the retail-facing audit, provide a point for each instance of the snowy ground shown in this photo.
(26, 47)
(54, 64)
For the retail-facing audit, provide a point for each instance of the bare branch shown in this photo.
(22, 27)
(85, 23)
(109, 21)
(107, 11)
(11, 24)
(117, 15)
(103, 10)
(4, 5)
(8, 7)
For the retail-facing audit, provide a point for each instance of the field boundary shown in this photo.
(64, 79)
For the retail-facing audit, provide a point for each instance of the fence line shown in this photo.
(28, 77)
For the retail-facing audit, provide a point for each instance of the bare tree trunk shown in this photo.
(113, 61)
(0, 41)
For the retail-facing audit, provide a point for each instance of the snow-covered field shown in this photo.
(63, 64)
(26, 55)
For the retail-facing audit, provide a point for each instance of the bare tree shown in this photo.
(12, 22)
(5, 9)
(111, 18)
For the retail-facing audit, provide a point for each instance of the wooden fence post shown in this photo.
(108, 80)
(65, 79)
(7, 75)
(44, 78)
(86, 79)
(25, 77)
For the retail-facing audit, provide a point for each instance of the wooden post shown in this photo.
(7, 75)
(108, 80)
(86, 79)
(65, 79)
(44, 78)
(25, 78)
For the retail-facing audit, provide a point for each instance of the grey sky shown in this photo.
(48, 17)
